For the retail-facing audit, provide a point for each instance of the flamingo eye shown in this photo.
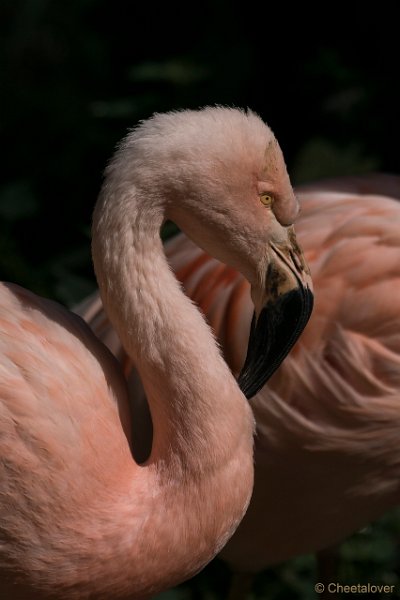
(266, 199)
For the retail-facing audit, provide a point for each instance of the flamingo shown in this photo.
(79, 517)
(327, 456)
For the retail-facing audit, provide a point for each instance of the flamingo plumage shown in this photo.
(327, 457)
(79, 517)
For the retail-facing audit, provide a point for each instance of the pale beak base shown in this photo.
(285, 310)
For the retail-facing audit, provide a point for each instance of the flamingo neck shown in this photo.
(199, 415)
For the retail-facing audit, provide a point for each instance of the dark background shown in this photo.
(76, 75)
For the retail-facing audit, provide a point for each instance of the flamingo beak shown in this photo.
(285, 307)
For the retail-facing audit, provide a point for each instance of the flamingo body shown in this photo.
(71, 446)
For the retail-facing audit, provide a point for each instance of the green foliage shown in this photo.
(320, 158)
(17, 201)
(75, 76)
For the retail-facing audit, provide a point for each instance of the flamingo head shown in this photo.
(220, 175)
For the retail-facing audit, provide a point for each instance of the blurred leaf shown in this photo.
(17, 201)
(375, 550)
(114, 109)
(178, 72)
(174, 594)
(344, 101)
(329, 62)
(72, 278)
(321, 158)
(72, 259)
(71, 288)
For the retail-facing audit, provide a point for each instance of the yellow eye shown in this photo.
(266, 199)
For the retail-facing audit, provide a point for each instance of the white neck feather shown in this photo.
(193, 396)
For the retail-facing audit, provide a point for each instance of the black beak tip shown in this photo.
(277, 329)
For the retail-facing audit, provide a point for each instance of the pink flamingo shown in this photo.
(79, 518)
(327, 456)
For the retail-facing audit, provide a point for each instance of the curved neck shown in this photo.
(192, 394)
